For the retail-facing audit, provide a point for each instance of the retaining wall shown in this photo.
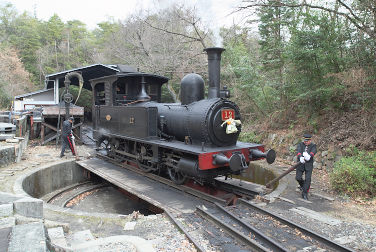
(52, 178)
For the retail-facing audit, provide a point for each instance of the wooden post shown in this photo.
(31, 127)
(80, 129)
(42, 133)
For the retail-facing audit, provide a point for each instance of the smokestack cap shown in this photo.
(214, 53)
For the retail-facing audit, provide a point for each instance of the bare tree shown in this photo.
(191, 20)
(361, 13)
(168, 43)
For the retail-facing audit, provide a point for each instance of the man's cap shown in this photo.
(71, 118)
(307, 137)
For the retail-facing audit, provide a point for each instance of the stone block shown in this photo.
(81, 237)
(7, 155)
(55, 224)
(12, 140)
(29, 207)
(6, 210)
(4, 137)
(7, 222)
(4, 238)
(28, 237)
(9, 198)
(25, 220)
(57, 236)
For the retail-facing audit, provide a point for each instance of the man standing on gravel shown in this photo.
(67, 137)
(306, 150)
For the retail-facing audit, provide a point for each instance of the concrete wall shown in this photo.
(51, 178)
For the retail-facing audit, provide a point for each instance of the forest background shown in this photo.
(308, 68)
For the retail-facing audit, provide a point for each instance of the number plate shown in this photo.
(227, 114)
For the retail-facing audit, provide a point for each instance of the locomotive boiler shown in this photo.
(196, 138)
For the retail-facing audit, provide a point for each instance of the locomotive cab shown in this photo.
(112, 94)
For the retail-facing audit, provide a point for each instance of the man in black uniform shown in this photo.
(306, 150)
(66, 136)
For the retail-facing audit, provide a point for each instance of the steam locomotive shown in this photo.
(196, 138)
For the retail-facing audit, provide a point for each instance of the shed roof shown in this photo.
(87, 72)
(159, 78)
(32, 93)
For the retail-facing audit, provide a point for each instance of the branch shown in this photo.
(352, 17)
(142, 44)
(193, 23)
(171, 32)
(349, 9)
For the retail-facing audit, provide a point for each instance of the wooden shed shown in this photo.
(46, 110)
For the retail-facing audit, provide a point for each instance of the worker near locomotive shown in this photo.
(67, 138)
(195, 139)
(306, 150)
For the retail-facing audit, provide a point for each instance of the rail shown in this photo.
(182, 229)
(232, 231)
(310, 233)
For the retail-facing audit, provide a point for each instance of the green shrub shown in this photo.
(355, 175)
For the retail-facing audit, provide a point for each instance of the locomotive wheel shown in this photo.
(146, 168)
(105, 145)
(177, 177)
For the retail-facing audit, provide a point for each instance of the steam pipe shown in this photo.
(68, 98)
(214, 69)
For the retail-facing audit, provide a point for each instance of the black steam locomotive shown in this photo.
(196, 138)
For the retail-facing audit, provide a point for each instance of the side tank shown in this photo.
(201, 121)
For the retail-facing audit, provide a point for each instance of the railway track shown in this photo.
(226, 199)
(289, 234)
(65, 195)
(247, 227)
(241, 227)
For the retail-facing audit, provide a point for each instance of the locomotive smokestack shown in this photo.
(214, 67)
